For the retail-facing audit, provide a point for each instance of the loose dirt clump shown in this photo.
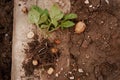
(40, 55)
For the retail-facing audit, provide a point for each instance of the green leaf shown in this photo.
(70, 16)
(34, 7)
(67, 24)
(56, 13)
(54, 22)
(59, 16)
(43, 26)
(51, 20)
(33, 16)
(43, 17)
(45, 12)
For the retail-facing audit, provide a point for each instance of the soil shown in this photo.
(6, 18)
(43, 53)
(95, 53)
(97, 50)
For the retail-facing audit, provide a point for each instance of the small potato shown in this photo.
(50, 71)
(30, 35)
(80, 27)
(57, 41)
(35, 62)
(54, 50)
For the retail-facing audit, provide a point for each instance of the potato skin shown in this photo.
(80, 27)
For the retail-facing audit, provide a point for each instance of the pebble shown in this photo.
(107, 1)
(88, 36)
(90, 5)
(30, 35)
(86, 2)
(83, 63)
(61, 69)
(71, 78)
(70, 72)
(56, 74)
(102, 22)
(35, 62)
(24, 10)
(6, 35)
(80, 70)
(50, 71)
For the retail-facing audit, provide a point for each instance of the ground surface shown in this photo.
(95, 53)
(6, 9)
(98, 50)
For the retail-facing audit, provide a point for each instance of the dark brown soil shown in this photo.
(6, 18)
(97, 50)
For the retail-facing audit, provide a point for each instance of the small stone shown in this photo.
(88, 36)
(102, 22)
(86, 2)
(35, 62)
(50, 71)
(83, 63)
(80, 70)
(61, 69)
(56, 74)
(72, 77)
(30, 35)
(6, 35)
(107, 1)
(70, 72)
(91, 6)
